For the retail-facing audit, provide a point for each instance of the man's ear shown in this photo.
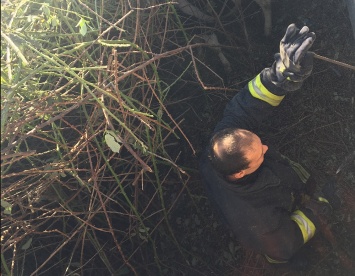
(238, 174)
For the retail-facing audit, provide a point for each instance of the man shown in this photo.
(257, 191)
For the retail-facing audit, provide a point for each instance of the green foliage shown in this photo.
(83, 130)
(112, 141)
(82, 24)
(7, 207)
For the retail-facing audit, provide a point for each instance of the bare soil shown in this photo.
(314, 126)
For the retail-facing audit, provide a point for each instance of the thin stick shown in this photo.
(335, 62)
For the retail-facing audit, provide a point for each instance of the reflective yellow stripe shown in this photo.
(259, 91)
(306, 226)
(274, 261)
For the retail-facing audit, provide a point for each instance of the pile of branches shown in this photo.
(84, 128)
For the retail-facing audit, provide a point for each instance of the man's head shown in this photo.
(236, 152)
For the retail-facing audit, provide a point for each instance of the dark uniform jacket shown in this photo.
(261, 208)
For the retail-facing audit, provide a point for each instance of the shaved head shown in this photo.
(228, 148)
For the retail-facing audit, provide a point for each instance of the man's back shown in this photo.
(257, 191)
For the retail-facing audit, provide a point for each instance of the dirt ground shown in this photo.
(314, 126)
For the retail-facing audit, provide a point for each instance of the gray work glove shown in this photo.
(294, 63)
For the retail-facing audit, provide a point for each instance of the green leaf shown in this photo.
(143, 230)
(111, 141)
(142, 237)
(7, 206)
(27, 244)
(54, 21)
(83, 29)
(46, 10)
(7, 211)
(83, 26)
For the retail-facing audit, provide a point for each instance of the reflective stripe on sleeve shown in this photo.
(306, 226)
(259, 91)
